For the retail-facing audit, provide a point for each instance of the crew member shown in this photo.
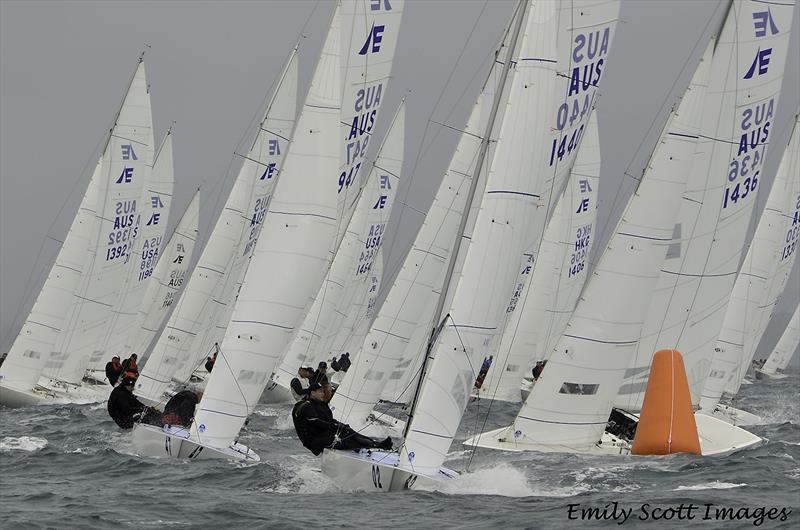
(113, 370)
(180, 408)
(318, 430)
(123, 407)
(130, 368)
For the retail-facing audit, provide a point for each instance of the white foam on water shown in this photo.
(22, 443)
(716, 485)
(284, 423)
(502, 479)
(303, 476)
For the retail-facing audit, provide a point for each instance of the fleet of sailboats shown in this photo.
(498, 273)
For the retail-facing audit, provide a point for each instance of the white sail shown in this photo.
(762, 278)
(787, 345)
(213, 283)
(37, 338)
(168, 277)
(151, 225)
(563, 54)
(288, 266)
(349, 280)
(571, 401)
(697, 277)
(398, 335)
(368, 40)
(127, 163)
(541, 307)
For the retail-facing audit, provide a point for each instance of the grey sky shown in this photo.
(64, 66)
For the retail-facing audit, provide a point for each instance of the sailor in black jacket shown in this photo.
(123, 405)
(318, 430)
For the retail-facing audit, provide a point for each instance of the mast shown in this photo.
(484, 149)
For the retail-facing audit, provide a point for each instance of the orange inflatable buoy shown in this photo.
(666, 424)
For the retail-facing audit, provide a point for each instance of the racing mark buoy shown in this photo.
(666, 424)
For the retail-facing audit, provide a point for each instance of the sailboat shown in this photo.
(568, 407)
(698, 274)
(779, 359)
(75, 300)
(758, 286)
(514, 189)
(213, 284)
(306, 221)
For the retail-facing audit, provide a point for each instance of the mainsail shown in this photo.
(761, 280)
(541, 306)
(151, 225)
(350, 280)
(697, 277)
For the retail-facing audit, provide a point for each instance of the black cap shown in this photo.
(128, 381)
(322, 364)
(314, 386)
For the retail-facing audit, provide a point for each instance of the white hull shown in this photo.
(497, 439)
(733, 415)
(717, 437)
(16, 398)
(760, 374)
(369, 470)
(275, 394)
(149, 440)
(52, 394)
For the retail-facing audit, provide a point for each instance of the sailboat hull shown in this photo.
(368, 470)
(275, 394)
(760, 374)
(174, 442)
(17, 398)
(717, 438)
(733, 415)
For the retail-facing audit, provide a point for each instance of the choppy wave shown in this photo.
(716, 485)
(22, 443)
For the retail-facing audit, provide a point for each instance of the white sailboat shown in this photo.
(787, 345)
(520, 194)
(57, 338)
(213, 284)
(304, 225)
(697, 277)
(758, 286)
(568, 407)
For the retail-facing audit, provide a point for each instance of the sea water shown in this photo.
(69, 466)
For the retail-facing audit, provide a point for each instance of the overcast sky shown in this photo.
(64, 67)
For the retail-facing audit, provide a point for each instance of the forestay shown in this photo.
(697, 277)
(760, 282)
(350, 280)
(126, 167)
(541, 306)
(787, 344)
(151, 225)
(213, 283)
(288, 266)
(561, 61)
(398, 335)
